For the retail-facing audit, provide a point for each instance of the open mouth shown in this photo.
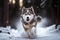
(27, 18)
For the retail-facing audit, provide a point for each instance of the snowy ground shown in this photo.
(42, 32)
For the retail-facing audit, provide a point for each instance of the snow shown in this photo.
(42, 32)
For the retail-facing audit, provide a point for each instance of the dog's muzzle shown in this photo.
(27, 19)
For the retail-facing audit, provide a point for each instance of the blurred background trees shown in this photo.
(10, 9)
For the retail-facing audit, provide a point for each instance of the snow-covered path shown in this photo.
(42, 32)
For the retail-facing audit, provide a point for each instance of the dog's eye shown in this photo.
(30, 9)
(24, 11)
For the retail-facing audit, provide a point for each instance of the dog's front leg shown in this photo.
(28, 32)
(32, 33)
(34, 30)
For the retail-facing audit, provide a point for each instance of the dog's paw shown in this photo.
(38, 18)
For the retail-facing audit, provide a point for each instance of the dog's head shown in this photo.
(28, 14)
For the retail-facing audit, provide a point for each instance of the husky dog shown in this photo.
(29, 21)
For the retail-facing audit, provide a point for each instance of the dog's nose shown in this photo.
(27, 18)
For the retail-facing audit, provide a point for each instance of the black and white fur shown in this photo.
(29, 21)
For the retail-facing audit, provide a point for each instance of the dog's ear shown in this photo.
(32, 8)
(23, 9)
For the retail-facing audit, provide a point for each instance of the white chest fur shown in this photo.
(30, 25)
